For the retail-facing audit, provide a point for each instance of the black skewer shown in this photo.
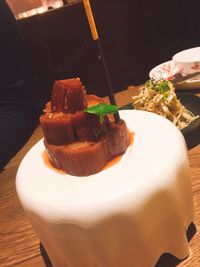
(95, 36)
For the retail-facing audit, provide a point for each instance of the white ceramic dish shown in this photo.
(143, 203)
(169, 70)
(188, 61)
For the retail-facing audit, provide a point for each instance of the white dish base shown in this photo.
(128, 214)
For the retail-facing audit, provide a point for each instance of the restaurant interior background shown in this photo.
(136, 36)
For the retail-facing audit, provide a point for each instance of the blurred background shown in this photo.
(136, 36)
(23, 5)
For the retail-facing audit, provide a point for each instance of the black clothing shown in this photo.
(17, 113)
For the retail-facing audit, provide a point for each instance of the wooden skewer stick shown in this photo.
(95, 37)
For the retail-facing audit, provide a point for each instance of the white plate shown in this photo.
(168, 70)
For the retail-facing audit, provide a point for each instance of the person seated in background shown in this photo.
(18, 113)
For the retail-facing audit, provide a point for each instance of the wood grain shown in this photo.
(19, 244)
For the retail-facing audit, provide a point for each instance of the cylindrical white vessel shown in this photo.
(128, 214)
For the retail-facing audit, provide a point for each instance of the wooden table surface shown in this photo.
(19, 244)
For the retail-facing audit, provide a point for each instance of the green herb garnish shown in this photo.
(161, 86)
(102, 110)
(165, 97)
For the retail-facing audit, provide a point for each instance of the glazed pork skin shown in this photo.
(68, 96)
(86, 158)
(62, 129)
(57, 128)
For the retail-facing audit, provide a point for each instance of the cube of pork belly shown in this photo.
(79, 159)
(87, 157)
(117, 139)
(57, 128)
(88, 126)
(78, 142)
(68, 96)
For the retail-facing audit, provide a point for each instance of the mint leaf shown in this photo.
(102, 109)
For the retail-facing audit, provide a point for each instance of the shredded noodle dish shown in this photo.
(159, 96)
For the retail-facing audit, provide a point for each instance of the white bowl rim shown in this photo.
(190, 55)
